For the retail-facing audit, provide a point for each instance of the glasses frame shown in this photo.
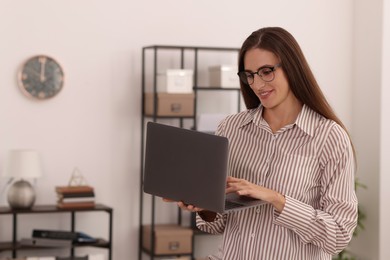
(258, 72)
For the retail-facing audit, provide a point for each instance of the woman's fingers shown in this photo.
(235, 184)
(231, 179)
(188, 207)
(184, 206)
(167, 200)
(240, 186)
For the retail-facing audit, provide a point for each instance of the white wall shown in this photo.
(366, 119)
(94, 122)
(385, 139)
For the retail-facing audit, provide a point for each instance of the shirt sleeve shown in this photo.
(331, 226)
(215, 227)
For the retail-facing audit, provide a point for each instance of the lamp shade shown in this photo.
(23, 164)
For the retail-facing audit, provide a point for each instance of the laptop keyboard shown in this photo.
(231, 205)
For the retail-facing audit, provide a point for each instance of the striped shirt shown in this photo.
(311, 163)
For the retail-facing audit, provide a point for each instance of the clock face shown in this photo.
(41, 77)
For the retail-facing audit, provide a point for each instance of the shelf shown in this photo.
(164, 255)
(102, 243)
(4, 246)
(216, 89)
(169, 117)
(185, 55)
(192, 48)
(50, 209)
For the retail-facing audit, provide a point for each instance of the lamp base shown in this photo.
(21, 195)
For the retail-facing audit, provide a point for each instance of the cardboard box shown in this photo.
(175, 81)
(224, 76)
(170, 104)
(169, 239)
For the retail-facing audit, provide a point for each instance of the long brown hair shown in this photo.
(300, 78)
(299, 75)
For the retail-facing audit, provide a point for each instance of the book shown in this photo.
(75, 205)
(83, 238)
(81, 199)
(87, 257)
(76, 194)
(75, 237)
(40, 258)
(73, 189)
(54, 234)
(72, 258)
(45, 242)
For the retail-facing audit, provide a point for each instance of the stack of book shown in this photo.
(42, 238)
(46, 238)
(75, 197)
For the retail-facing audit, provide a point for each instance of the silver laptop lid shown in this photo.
(186, 165)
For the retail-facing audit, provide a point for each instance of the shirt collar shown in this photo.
(303, 121)
(252, 115)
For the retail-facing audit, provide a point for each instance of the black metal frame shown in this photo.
(14, 246)
(154, 118)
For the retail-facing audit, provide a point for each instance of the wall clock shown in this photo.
(41, 77)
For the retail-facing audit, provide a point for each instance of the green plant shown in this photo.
(361, 214)
(345, 254)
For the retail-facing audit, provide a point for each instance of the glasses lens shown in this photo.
(267, 74)
(246, 77)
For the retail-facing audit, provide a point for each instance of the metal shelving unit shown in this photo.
(195, 51)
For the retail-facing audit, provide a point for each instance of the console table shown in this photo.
(14, 245)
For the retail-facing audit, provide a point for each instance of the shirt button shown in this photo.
(253, 235)
(258, 211)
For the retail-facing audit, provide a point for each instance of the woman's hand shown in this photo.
(246, 188)
(204, 214)
(184, 206)
(188, 207)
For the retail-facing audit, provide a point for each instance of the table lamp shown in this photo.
(21, 165)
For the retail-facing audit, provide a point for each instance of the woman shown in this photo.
(290, 150)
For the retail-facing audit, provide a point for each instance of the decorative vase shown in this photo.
(21, 195)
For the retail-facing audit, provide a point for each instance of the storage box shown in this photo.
(224, 76)
(175, 81)
(169, 239)
(170, 104)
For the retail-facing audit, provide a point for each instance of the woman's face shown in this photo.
(276, 93)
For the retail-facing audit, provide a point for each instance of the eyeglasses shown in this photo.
(265, 73)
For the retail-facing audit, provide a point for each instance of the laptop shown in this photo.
(190, 166)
